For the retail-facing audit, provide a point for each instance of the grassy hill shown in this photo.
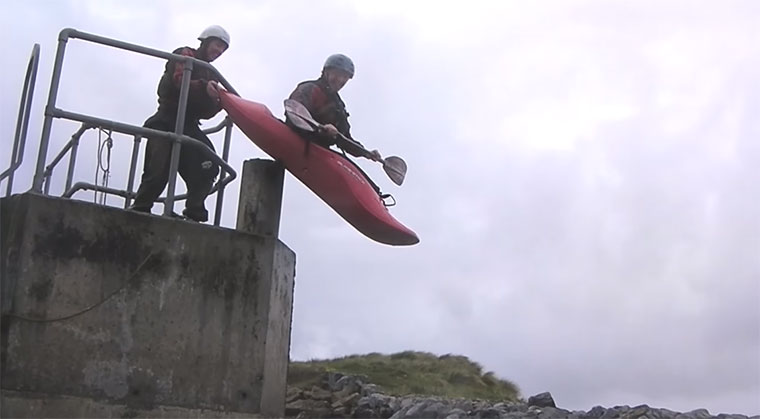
(411, 372)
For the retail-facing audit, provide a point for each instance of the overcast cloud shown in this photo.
(583, 176)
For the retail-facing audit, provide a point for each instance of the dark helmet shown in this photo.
(341, 62)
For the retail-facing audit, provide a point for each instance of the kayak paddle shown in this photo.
(394, 166)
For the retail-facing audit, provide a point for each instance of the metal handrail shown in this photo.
(222, 125)
(72, 145)
(19, 140)
(129, 194)
(90, 122)
(177, 138)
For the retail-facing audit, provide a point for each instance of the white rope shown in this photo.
(97, 167)
(107, 168)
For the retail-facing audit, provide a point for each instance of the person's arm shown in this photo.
(197, 86)
(210, 106)
(352, 147)
(199, 96)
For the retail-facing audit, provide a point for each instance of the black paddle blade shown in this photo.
(300, 116)
(298, 122)
(395, 168)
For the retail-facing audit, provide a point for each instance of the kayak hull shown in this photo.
(330, 175)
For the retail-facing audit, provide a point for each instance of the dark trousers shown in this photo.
(197, 169)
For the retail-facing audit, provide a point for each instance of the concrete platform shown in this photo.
(106, 307)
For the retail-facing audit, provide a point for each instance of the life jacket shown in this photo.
(326, 106)
(199, 104)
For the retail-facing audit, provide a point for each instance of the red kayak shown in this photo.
(327, 173)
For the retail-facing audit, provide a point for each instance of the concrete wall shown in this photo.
(38, 405)
(173, 313)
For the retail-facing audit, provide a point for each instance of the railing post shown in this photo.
(73, 156)
(47, 125)
(27, 95)
(260, 197)
(225, 157)
(179, 130)
(132, 170)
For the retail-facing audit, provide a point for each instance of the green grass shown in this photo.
(412, 372)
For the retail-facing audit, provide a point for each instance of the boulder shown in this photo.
(544, 399)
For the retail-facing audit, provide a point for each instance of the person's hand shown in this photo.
(329, 131)
(212, 88)
(375, 155)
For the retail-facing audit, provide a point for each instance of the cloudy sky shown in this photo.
(583, 176)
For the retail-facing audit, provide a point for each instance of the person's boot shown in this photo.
(145, 210)
(195, 206)
(196, 214)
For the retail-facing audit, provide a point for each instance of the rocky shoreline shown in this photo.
(345, 396)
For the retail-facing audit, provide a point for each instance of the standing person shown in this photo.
(195, 167)
(321, 98)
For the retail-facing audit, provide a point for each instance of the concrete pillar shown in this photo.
(259, 209)
(260, 197)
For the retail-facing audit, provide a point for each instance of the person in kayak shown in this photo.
(321, 98)
(195, 167)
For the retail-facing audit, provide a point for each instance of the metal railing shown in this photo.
(43, 174)
(129, 193)
(19, 140)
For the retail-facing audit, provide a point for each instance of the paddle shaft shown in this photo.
(396, 171)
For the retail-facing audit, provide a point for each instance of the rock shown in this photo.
(500, 405)
(401, 413)
(554, 413)
(311, 408)
(457, 414)
(343, 396)
(320, 394)
(353, 384)
(368, 389)
(636, 412)
(517, 408)
(695, 414)
(343, 412)
(489, 413)
(595, 412)
(481, 404)
(331, 380)
(616, 412)
(324, 413)
(406, 403)
(375, 405)
(663, 413)
(348, 400)
(427, 409)
(337, 395)
(396, 403)
(542, 400)
(292, 394)
(415, 410)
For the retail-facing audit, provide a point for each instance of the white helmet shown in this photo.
(215, 31)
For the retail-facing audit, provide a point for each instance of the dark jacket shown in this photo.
(199, 104)
(326, 107)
